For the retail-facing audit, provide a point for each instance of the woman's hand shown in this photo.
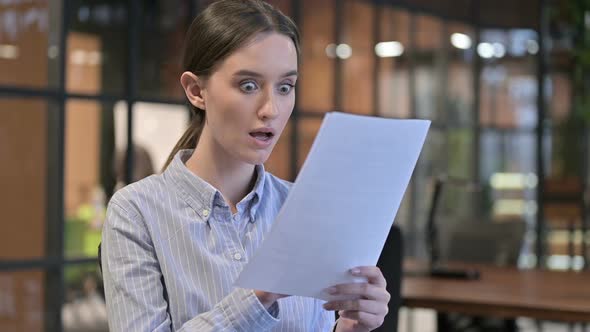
(368, 311)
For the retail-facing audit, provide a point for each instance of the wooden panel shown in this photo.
(308, 129)
(428, 32)
(84, 63)
(316, 81)
(24, 29)
(83, 121)
(82, 153)
(23, 172)
(357, 71)
(393, 84)
(282, 5)
(280, 159)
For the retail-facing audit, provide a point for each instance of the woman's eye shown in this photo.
(248, 86)
(285, 88)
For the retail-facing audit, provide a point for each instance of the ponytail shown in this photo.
(190, 138)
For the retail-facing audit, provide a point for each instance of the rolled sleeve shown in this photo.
(243, 311)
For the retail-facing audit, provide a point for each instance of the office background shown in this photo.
(90, 101)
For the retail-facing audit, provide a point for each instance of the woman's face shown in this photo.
(250, 96)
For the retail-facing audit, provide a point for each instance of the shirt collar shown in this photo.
(201, 195)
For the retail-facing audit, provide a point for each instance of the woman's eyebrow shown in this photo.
(245, 72)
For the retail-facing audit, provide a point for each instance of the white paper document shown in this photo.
(341, 207)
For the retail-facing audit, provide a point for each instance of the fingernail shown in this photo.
(332, 290)
(355, 271)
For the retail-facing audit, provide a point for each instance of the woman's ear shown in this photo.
(193, 88)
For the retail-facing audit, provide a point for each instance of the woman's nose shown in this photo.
(269, 108)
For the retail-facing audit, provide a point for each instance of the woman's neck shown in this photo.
(233, 178)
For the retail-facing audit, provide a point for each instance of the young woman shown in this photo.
(174, 243)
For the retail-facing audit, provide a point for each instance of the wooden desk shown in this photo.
(504, 292)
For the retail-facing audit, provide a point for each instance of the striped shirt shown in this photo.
(172, 248)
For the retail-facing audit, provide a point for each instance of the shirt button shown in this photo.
(238, 256)
(206, 213)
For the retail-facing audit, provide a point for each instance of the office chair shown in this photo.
(473, 241)
(497, 243)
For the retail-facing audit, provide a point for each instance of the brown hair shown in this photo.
(220, 29)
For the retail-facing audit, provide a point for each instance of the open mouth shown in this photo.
(262, 135)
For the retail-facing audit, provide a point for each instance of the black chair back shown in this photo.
(390, 263)
(100, 257)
